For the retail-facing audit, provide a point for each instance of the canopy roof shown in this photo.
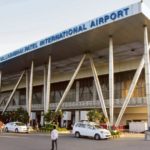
(125, 25)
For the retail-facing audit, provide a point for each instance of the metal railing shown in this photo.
(82, 104)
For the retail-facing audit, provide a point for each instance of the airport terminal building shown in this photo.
(102, 63)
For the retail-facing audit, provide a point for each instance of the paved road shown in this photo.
(68, 142)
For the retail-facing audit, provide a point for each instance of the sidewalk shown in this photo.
(48, 133)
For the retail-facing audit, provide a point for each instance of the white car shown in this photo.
(90, 130)
(16, 127)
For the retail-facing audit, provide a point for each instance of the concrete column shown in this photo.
(147, 72)
(45, 85)
(94, 91)
(48, 85)
(111, 81)
(27, 90)
(77, 116)
(30, 89)
(62, 122)
(42, 120)
(77, 91)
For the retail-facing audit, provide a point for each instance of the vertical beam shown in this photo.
(48, 85)
(0, 80)
(94, 91)
(131, 89)
(30, 89)
(77, 91)
(45, 85)
(77, 115)
(70, 84)
(111, 81)
(98, 87)
(27, 90)
(12, 94)
(147, 72)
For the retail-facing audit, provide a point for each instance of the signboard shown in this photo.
(92, 24)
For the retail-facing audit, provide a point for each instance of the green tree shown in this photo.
(94, 115)
(19, 115)
(103, 119)
(52, 116)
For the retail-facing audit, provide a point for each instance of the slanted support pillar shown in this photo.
(30, 89)
(98, 87)
(70, 84)
(131, 89)
(77, 91)
(13, 92)
(27, 90)
(111, 81)
(48, 85)
(147, 77)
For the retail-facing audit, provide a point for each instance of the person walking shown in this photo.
(54, 137)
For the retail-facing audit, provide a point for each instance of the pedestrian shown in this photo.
(54, 137)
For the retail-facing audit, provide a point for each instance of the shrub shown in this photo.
(115, 132)
(62, 129)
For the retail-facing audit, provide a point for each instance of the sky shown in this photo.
(25, 21)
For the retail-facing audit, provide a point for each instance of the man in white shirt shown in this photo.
(54, 137)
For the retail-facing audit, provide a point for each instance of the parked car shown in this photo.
(90, 129)
(16, 127)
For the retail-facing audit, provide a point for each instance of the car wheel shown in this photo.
(97, 137)
(16, 130)
(77, 134)
(6, 129)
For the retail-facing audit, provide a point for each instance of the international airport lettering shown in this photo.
(97, 22)
(81, 28)
(110, 17)
(64, 34)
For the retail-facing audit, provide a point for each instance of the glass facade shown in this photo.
(57, 90)
(85, 91)
(37, 95)
(122, 83)
(22, 97)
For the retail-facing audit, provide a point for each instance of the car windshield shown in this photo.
(20, 124)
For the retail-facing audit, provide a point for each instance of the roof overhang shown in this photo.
(125, 25)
